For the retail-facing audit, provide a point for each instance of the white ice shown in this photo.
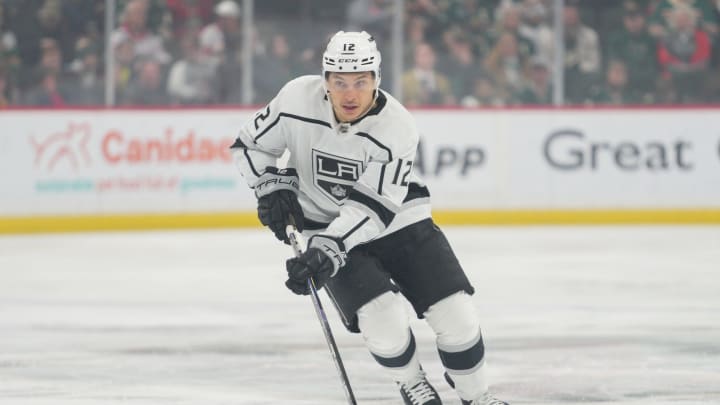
(570, 315)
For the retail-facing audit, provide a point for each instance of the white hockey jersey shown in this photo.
(356, 179)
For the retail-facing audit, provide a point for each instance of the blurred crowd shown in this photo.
(456, 52)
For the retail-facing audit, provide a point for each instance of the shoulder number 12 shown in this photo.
(408, 168)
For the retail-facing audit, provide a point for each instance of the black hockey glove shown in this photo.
(276, 191)
(322, 259)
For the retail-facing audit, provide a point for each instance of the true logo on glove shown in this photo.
(277, 181)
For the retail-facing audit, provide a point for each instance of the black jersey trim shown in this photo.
(354, 228)
(376, 142)
(379, 105)
(401, 360)
(384, 214)
(252, 166)
(382, 177)
(416, 191)
(238, 144)
(293, 116)
(310, 225)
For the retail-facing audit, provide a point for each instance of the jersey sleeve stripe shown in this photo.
(250, 162)
(293, 116)
(384, 214)
(376, 142)
(381, 199)
(382, 177)
(354, 228)
(238, 144)
(368, 212)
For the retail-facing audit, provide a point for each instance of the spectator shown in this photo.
(465, 13)
(29, 27)
(423, 84)
(52, 24)
(10, 63)
(714, 86)
(50, 61)
(87, 86)
(8, 40)
(124, 60)
(221, 39)
(509, 23)
(633, 45)
(483, 94)
(184, 12)
(147, 88)
(473, 17)
(432, 12)
(306, 59)
(10, 67)
(536, 29)
(83, 18)
(191, 78)
(34, 22)
(4, 93)
(660, 21)
(273, 69)
(145, 44)
(460, 66)
(415, 34)
(371, 15)
(582, 54)
(501, 5)
(616, 90)
(537, 89)
(684, 54)
(507, 66)
(49, 92)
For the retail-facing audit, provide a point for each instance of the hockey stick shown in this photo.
(296, 242)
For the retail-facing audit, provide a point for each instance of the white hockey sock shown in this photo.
(460, 343)
(386, 329)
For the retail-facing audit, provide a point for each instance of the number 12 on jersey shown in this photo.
(408, 167)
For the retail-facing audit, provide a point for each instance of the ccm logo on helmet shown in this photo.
(347, 60)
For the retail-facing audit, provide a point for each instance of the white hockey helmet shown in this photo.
(349, 52)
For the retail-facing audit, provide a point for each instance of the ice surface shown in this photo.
(570, 315)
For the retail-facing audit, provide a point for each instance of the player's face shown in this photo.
(351, 94)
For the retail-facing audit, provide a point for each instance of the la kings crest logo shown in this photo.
(335, 175)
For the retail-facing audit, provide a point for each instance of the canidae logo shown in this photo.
(117, 147)
(66, 148)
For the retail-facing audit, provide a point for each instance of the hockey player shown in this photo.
(349, 185)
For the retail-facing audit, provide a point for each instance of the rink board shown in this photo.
(142, 169)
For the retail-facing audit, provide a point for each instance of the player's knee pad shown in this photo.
(385, 325)
(457, 327)
(454, 319)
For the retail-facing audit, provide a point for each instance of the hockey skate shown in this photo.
(486, 399)
(419, 392)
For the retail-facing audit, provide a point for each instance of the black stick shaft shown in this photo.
(320, 312)
(331, 343)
